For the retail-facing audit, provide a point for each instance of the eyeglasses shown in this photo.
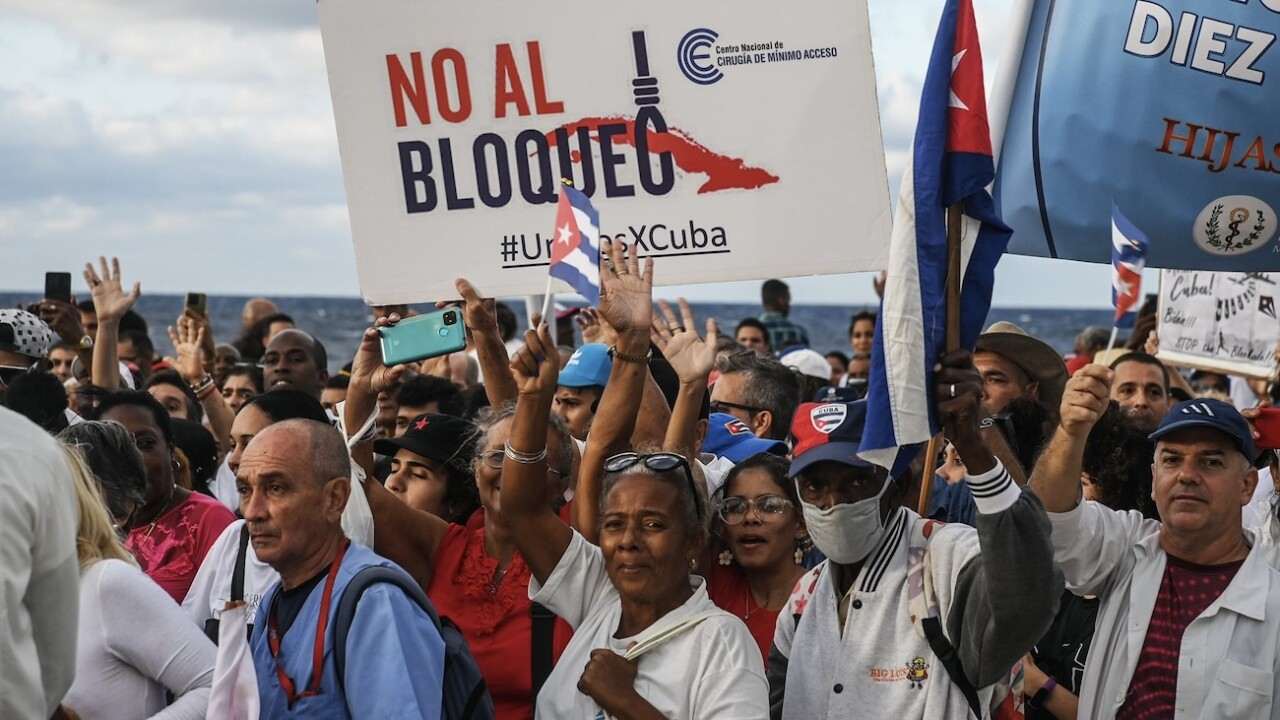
(720, 406)
(733, 510)
(494, 458)
(9, 373)
(660, 462)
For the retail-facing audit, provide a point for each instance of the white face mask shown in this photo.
(848, 532)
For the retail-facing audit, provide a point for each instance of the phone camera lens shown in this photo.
(450, 318)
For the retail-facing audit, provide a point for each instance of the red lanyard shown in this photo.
(317, 659)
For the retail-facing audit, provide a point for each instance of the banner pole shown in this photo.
(955, 226)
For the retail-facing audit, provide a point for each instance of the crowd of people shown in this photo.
(661, 522)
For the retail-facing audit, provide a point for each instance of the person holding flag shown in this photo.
(575, 252)
(909, 617)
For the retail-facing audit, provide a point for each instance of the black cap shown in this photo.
(443, 438)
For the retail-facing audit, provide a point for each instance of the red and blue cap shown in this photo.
(827, 431)
(729, 437)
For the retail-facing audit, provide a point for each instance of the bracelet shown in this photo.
(205, 391)
(522, 457)
(615, 354)
(1042, 695)
(205, 384)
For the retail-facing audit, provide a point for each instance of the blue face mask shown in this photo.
(848, 532)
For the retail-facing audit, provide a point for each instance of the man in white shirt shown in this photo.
(39, 571)
(1189, 621)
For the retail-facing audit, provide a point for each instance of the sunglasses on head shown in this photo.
(660, 462)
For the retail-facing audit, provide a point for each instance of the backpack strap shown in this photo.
(946, 654)
(237, 575)
(541, 651)
(351, 596)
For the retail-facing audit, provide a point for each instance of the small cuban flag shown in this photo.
(1128, 258)
(575, 252)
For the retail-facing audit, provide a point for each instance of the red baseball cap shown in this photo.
(827, 431)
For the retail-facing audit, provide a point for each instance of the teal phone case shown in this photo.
(423, 336)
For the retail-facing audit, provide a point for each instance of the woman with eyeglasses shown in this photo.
(648, 642)
(762, 536)
(470, 567)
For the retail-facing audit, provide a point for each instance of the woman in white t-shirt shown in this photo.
(648, 642)
(134, 643)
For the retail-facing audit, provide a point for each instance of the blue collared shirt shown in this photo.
(395, 655)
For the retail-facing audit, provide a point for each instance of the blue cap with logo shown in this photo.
(589, 367)
(729, 437)
(827, 431)
(1210, 413)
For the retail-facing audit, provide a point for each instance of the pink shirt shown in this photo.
(171, 549)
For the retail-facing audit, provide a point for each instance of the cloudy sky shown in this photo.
(195, 139)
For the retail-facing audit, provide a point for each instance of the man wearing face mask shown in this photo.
(909, 616)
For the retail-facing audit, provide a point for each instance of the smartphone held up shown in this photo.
(423, 336)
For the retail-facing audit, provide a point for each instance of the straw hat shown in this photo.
(1033, 356)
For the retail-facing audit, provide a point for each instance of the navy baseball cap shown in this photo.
(1210, 413)
(827, 431)
(588, 367)
(729, 437)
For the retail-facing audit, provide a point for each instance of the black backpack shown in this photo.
(465, 696)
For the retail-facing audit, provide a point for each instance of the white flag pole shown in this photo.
(1115, 329)
(546, 302)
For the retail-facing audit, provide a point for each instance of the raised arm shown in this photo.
(648, 422)
(481, 319)
(1005, 597)
(1056, 477)
(402, 534)
(110, 302)
(692, 358)
(626, 305)
(188, 342)
(540, 534)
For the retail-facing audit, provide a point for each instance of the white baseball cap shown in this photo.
(808, 362)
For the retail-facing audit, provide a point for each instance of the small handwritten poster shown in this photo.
(1222, 321)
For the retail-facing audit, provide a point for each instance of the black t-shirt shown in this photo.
(289, 602)
(1061, 653)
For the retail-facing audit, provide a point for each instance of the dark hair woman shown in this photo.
(174, 528)
(761, 541)
(470, 567)
(648, 642)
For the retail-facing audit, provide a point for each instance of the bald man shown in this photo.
(256, 309)
(295, 359)
(293, 483)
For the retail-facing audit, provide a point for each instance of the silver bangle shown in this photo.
(522, 457)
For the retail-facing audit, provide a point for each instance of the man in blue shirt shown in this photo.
(784, 335)
(293, 483)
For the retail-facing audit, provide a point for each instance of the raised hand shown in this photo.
(626, 293)
(480, 314)
(958, 391)
(367, 369)
(594, 328)
(187, 341)
(110, 301)
(62, 317)
(691, 356)
(536, 368)
(1085, 399)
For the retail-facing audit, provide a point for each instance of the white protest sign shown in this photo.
(1220, 321)
(759, 152)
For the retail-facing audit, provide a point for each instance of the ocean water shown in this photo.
(338, 322)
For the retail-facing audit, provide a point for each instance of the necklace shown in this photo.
(168, 503)
(749, 611)
(491, 587)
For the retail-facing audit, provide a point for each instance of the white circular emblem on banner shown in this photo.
(1234, 225)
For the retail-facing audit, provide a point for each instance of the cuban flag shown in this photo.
(1128, 258)
(951, 163)
(575, 252)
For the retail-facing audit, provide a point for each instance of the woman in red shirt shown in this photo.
(472, 573)
(174, 528)
(762, 536)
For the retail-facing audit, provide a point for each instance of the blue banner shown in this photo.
(1167, 109)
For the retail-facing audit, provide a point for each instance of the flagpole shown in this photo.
(955, 225)
(1115, 330)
